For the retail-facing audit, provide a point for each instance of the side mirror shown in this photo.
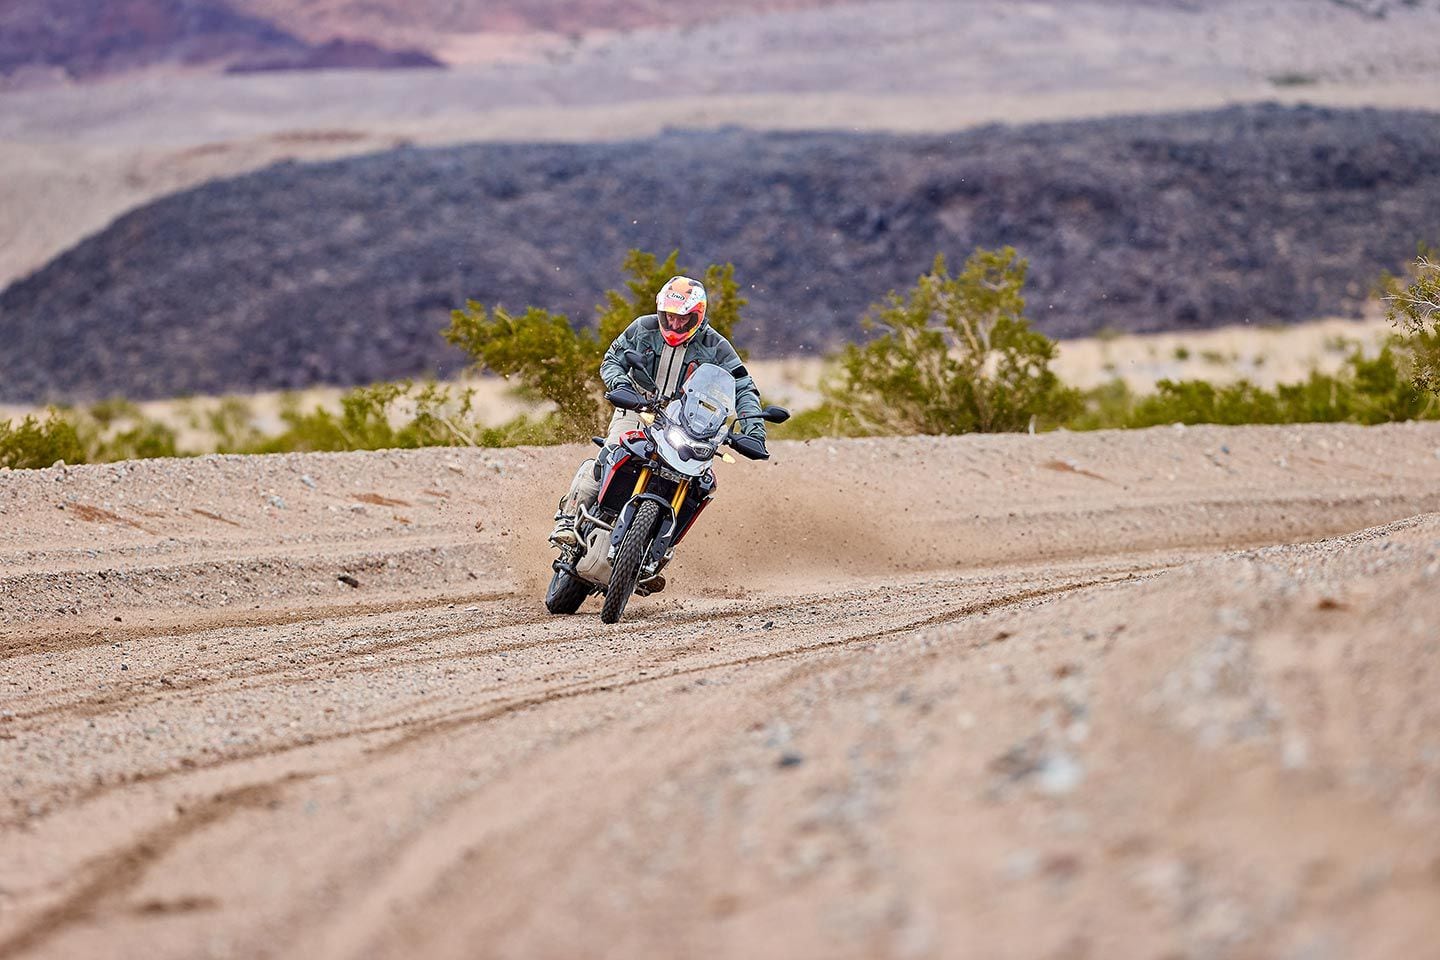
(626, 397)
(775, 414)
(750, 448)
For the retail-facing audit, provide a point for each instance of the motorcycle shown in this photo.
(656, 482)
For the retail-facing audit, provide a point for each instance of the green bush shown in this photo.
(955, 354)
(107, 431)
(34, 443)
(1105, 407)
(368, 418)
(144, 441)
(231, 426)
(1414, 307)
(548, 359)
(1366, 390)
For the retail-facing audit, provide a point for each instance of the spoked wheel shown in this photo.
(566, 593)
(626, 568)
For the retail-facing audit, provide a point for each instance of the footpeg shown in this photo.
(654, 585)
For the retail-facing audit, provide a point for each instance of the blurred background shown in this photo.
(203, 197)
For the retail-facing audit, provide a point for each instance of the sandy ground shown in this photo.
(1164, 693)
(74, 158)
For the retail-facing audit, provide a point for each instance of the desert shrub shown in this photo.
(954, 354)
(145, 440)
(524, 431)
(547, 358)
(375, 417)
(231, 426)
(1107, 406)
(1367, 390)
(1392, 386)
(34, 443)
(1414, 307)
(1199, 401)
(105, 432)
(826, 420)
(117, 429)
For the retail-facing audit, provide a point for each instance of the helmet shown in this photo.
(681, 306)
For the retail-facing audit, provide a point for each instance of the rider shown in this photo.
(672, 343)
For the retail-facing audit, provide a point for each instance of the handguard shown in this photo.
(626, 397)
(750, 448)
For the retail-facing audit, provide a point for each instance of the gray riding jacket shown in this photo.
(669, 366)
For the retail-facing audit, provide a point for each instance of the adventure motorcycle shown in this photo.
(656, 482)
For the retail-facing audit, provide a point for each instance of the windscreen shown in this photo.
(707, 402)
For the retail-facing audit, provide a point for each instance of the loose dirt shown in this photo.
(1157, 693)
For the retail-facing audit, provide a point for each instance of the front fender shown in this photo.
(627, 516)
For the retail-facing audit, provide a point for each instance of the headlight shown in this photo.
(688, 448)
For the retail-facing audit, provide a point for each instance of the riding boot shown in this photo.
(584, 490)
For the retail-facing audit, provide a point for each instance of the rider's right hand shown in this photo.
(752, 448)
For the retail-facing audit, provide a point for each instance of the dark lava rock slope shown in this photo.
(344, 272)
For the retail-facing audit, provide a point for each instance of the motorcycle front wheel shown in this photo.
(625, 571)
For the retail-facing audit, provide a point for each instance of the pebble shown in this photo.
(1059, 774)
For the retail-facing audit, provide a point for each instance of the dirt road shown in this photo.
(1165, 693)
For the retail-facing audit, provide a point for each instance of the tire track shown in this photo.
(65, 641)
(112, 701)
(412, 731)
(114, 874)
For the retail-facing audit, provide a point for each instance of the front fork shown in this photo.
(669, 520)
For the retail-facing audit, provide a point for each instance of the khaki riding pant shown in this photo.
(585, 488)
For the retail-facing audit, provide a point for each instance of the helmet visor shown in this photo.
(677, 327)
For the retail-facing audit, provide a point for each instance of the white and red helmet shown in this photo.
(681, 307)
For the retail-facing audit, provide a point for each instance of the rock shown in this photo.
(348, 580)
(1060, 773)
(789, 760)
(308, 480)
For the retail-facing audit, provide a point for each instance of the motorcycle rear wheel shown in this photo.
(566, 593)
(625, 571)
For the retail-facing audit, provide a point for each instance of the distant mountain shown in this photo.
(335, 55)
(85, 39)
(386, 19)
(344, 272)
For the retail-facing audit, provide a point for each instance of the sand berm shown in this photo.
(1155, 693)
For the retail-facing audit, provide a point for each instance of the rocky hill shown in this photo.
(344, 272)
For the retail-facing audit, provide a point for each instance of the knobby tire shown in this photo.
(566, 593)
(625, 571)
